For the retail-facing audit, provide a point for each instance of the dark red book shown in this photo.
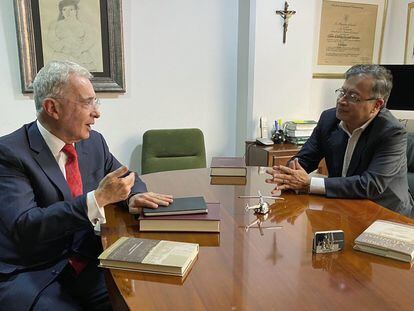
(228, 166)
(209, 222)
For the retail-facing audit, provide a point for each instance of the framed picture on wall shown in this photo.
(88, 32)
(409, 36)
(348, 32)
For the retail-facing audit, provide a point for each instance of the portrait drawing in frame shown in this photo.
(88, 32)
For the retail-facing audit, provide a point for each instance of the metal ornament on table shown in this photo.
(286, 15)
(328, 241)
(259, 221)
(263, 206)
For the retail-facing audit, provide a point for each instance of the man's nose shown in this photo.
(342, 100)
(96, 113)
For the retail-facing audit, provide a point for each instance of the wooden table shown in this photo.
(239, 270)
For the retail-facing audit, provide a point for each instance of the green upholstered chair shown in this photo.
(172, 149)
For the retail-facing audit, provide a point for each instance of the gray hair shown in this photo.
(382, 79)
(52, 78)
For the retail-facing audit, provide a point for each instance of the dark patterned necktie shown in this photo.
(74, 180)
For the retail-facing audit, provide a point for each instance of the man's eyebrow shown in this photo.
(352, 91)
(82, 99)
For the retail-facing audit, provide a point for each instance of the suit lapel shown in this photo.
(358, 152)
(338, 141)
(44, 157)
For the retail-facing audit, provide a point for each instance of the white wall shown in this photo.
(203, 64)
(283, 87)
(282, 83)
(181, 71)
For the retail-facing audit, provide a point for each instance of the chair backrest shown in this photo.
(172, 149)
(410, 161)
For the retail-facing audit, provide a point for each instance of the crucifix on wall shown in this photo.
(286, 15)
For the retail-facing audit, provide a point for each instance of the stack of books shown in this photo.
(228, 171)
(152, 256)
(298, 132)
(190, 214)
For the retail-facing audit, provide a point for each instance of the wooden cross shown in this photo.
(285, 14)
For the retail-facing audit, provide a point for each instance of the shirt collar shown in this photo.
(54, 143)
(358, 129)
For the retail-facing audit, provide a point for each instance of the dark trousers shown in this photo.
(69, 292)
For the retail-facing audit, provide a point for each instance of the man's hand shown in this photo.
(115, 186)
(293, 177)
(148, 199)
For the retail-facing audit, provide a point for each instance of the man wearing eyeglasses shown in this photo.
(56, 177)
(363, 144)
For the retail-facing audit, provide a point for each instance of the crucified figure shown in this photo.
(285, 14)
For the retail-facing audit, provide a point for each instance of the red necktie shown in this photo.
(74, 180)
(73, 176)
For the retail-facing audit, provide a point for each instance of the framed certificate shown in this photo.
(348, 32)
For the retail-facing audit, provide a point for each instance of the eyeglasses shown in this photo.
(91, 104)
(351, 98)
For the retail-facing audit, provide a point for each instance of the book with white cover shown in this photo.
(388, 239)
(153, 256)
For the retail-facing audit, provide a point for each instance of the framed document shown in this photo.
(409, 37)
(348, 32)
(87, 32)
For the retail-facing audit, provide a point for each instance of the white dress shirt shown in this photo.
(96, 214)
(317, 185)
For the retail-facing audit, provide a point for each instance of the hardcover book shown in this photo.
(180, 206)
(388, 239)
(152, 256)
(228, 166)
(300, 125)
(299, 133)
(228, 180)
(209, 222)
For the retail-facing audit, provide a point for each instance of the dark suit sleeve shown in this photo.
(28, 224)
(310, 154)
(388, 159)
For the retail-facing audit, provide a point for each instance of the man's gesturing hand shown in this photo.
(115, 186)
(292, 177)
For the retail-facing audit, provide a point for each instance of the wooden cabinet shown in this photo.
(277, 154)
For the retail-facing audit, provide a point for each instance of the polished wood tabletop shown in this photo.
(241, 269)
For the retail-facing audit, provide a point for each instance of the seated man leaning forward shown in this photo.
(56, 176)
(363, 144)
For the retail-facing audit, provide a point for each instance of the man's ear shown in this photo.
(51, 108)
(379, 104)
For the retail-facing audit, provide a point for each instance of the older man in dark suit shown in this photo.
(56, 176)
(363, 144)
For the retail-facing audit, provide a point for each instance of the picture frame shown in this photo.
(409, 36)
(348, 32)
(72, 29)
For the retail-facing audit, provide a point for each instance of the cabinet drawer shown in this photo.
(281, 159)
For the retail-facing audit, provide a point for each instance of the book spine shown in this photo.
(386, 243)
